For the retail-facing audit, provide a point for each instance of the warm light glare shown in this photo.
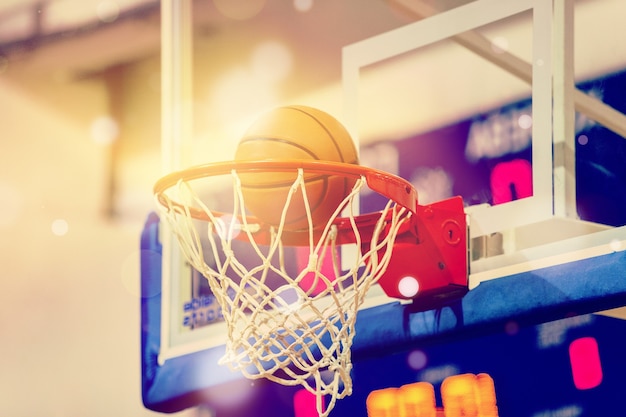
(240, 93)
(418, 400)
(462, 396)
(469, 395)
(486, 396)
(237, 94)
(383, 403)
(271, 62)
(458, 386)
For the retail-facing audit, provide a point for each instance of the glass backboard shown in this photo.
(518, 239)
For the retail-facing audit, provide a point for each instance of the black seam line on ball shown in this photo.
(281, 140)
(289, 183)
(328, 132)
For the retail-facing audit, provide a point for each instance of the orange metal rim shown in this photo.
(384, 183)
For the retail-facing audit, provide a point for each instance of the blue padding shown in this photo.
(178, 383)
(150, 302)
(527, 298)
(538, 296)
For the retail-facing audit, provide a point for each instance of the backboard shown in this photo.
(546, 241)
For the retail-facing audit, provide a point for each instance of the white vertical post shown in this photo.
(176, 137)
(564, 175)
(176, 83)
(542, 96)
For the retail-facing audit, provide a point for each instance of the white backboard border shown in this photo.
(484, 220)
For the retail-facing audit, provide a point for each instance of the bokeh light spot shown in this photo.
(59, 227)
(303, 5)
(228, 227)
(511, 328)
(271, 62)
(108, 11)
(525, 121)
(408, 286)
(104, 130)
(239, 9)
(417, 360)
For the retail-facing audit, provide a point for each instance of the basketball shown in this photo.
(295, 132)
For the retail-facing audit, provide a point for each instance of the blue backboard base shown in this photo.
(517, 301)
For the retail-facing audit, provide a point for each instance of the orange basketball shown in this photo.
(295, 132)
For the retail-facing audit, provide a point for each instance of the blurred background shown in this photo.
(80, 150)
(80, 129)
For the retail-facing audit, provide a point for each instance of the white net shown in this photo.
(294, 328)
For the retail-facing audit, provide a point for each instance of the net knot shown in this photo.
(313, 262)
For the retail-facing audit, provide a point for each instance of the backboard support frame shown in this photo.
(524, 298)
(447, 25)
(554, 100)
(174, 378)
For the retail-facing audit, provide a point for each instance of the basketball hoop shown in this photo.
(300, 331)
(293, 343)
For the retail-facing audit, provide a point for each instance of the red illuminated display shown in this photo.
(585, 360)
(511, 181)
(304, 404)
